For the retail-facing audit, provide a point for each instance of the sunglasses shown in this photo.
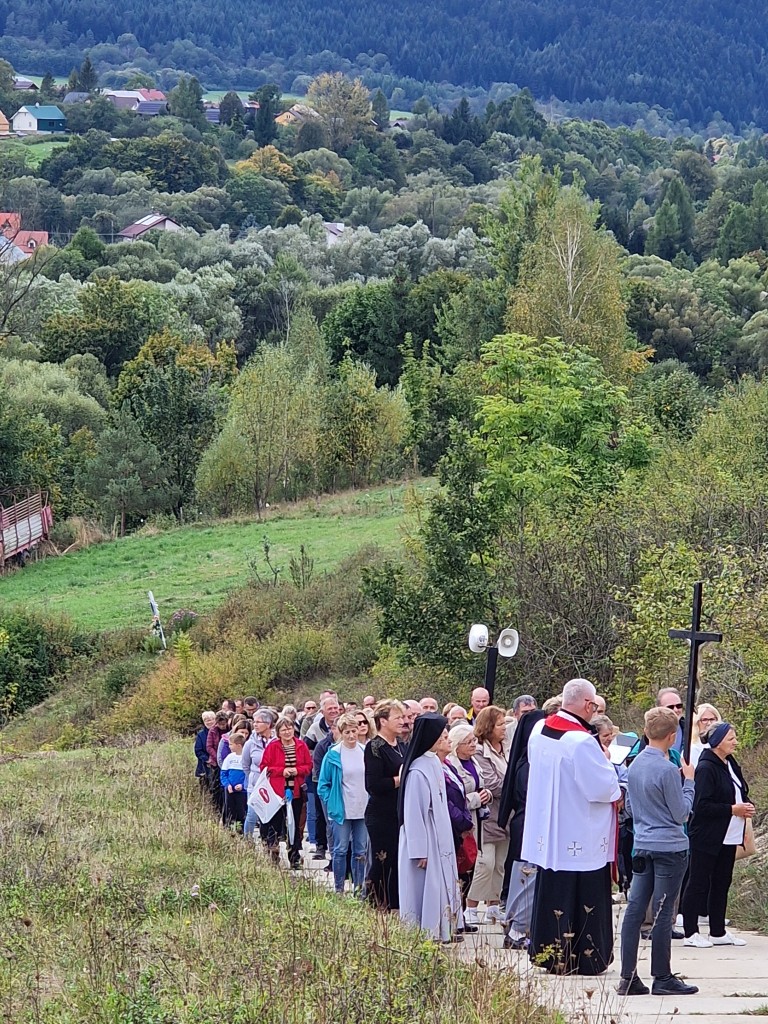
(677, 707)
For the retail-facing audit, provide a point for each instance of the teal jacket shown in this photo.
(329, 784)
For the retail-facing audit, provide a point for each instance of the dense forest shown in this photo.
(698, 58)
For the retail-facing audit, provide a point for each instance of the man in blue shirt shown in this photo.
(659, 806)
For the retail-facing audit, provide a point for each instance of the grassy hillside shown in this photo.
(105, 587)
(124, 903)
(35, 150)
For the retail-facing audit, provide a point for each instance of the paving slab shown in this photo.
(733, 981)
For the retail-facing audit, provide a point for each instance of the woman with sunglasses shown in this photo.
(366, 730)
(707, 717)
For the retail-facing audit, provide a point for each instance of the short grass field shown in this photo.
(125, 902)
(105, 587)
(35, 150)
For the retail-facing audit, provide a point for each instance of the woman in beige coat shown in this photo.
(491, 759)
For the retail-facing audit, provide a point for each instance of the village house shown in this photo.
(24, 84)
(125, 99)
(5, 126)
(39, 118)
(333, 232)
(298, 115)
(17, 244)
(76, 97)
(153, 108)
(152, 222)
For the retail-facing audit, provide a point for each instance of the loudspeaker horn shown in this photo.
(478, 638)
(508, 642)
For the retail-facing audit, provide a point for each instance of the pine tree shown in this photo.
(664, 234)
(230, 107)
(380, 110)
(87, 77)
(186, 102)
(268, 98)
(678, 194)
(737, 235)
(47, 86)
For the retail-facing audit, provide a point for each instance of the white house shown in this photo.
(37, 118)
(152, 222)
(333, 232)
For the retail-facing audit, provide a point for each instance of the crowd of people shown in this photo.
(530, 812)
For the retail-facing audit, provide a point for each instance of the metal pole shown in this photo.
(693, 664)
(490, 670)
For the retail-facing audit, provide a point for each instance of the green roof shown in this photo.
(45, 113)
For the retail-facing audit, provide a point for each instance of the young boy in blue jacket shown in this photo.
(233, 783)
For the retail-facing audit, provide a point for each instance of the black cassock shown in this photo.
(570, 932)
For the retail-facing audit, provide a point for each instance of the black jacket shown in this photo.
(713, 801)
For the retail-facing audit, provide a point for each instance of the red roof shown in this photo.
(30, 241)
(27, 241)
(10, 224)
(152, 94)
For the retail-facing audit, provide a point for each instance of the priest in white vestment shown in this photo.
(570, 833)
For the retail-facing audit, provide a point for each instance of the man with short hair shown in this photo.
(326, 826)
(308, 719)
(428, 705)
(319, 729)
(456, 714)
(659, 807)
(412, 712)
(601, 705)
(480, 699)
(570, 835)
(250, 706)
(670, 698)
(369, 702)
(525, 702)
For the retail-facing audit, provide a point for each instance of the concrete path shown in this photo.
(732, 981)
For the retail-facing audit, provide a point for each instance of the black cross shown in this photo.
(696, 637)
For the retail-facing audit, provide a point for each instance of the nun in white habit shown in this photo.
(430, 896)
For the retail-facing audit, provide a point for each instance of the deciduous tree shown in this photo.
(344, 105)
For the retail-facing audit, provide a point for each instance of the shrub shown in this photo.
(121, 677)
(36, 653)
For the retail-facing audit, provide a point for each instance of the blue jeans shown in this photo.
(656, 879)
(251, 822)
(311, 810)
(350, 829)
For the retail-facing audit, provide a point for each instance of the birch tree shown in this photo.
(569, 284)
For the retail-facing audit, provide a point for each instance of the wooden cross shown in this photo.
(695, 637)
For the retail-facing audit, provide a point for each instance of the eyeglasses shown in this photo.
(593, 706)
(362, 721)
(707, 721)
(676, 707)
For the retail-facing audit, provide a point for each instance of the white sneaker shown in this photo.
(470, 915)
(726, 940)
(493, 913)
(679, 921)
(697, 940)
